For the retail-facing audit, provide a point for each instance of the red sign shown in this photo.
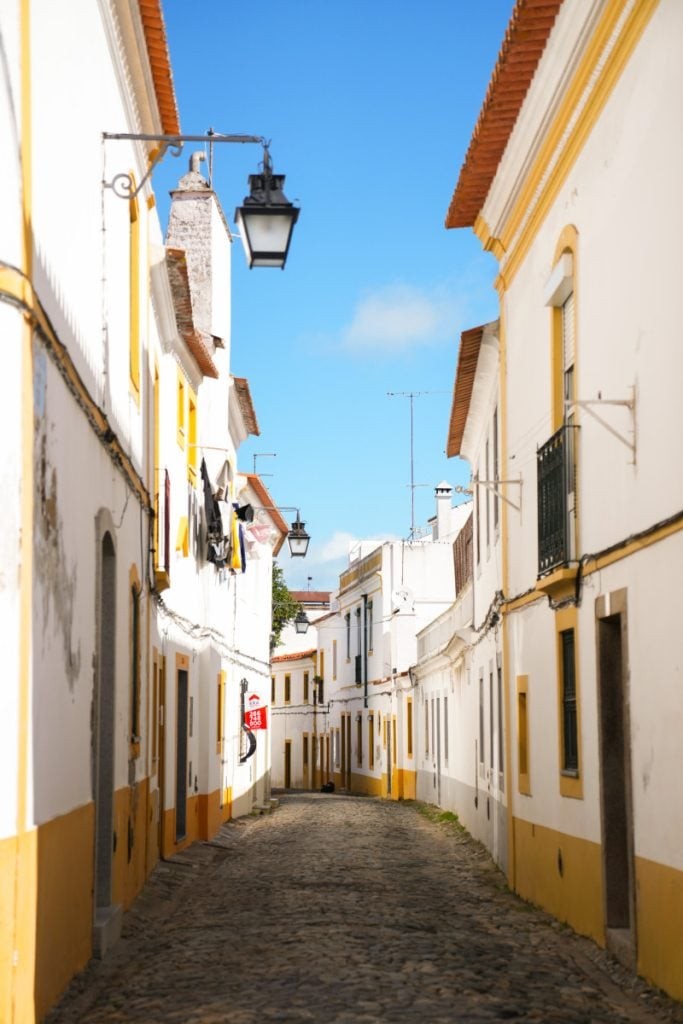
(256, 718)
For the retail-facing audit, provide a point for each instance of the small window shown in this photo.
(409, 727)
(370, 627)
(288, 689)
(570, 745)
(272, 689)
(306, 676)
(347, 620)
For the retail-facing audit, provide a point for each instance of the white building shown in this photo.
(299, 734)
(573, 184)
(368, 646)
(121, 732)
(461, 730)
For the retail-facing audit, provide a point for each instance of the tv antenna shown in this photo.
(264, 455)
(412, 395)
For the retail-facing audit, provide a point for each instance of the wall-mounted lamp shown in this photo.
(266, 218)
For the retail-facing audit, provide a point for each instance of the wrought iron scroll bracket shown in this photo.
(123, 185)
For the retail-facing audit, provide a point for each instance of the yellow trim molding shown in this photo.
(565, 140)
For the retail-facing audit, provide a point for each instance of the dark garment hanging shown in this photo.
(214, 523)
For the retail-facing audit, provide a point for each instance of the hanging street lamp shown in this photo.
(266, 218)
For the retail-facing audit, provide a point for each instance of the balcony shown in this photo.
(556, 477)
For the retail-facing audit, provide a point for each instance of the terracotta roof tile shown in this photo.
(160, 62)
(246, 405)
(176, 261)
(294, 656)
(525, 40)
(468, 355)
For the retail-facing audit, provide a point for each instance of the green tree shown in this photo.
(285, 608)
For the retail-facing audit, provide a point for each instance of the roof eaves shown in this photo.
(246, 405)
(176, 260)
(523, 45)
(468, 355)
(160, 63)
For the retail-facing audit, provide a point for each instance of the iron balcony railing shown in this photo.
(556, 474)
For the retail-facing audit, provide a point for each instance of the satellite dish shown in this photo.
(402, 600)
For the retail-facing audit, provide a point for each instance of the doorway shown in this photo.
(288, 764)
(181, 758)
(104, 737)
(615, 776)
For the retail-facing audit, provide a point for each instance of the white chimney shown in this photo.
(444, 496)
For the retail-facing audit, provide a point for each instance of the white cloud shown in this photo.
(399, 317)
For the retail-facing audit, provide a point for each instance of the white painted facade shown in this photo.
(584, 214)
(109, 605)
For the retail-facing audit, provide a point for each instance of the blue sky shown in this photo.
(369, 105)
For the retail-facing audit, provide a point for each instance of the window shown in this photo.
(321, 673)
(370, 625)
(180, 402)
(155, 707)
(523, 735)
(272, 689)
(570, 746)
(359, 648)
(501, 716)
(491, 718)
(477, 504)
(192, 438)
(334, 660)
(347, 620)
(359, 740)
(482, 757)
(135, 660)
(134, 325)
(220, 710)
(305, 700)
(433, 730)
(445, 727)
(371, 741)
(409, 726)
(304, 742)
(288, 689)
(426, 728)
(393, 740)
(495, 469)
(487, 497)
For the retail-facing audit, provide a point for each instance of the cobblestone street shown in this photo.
(347, 910)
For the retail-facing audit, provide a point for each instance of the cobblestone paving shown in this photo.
(348, 910)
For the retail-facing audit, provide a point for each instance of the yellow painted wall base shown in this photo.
(129, 869)
(18, 860)
(64, 911)
(573, 895)
(403, 784)
(660, 925)
(210, 814)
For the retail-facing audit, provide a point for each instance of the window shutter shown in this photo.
(568, 331)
